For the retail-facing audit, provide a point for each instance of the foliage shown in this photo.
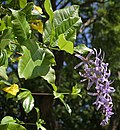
(37, 47)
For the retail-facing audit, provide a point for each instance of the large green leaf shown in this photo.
(21, 27)
(65, 45)
(28, 103)
(33, 56)
(65, 21)
(35, 61)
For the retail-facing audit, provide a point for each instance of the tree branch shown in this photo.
(88, 22)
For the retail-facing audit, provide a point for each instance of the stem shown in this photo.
(45, 94)
(27, 123)
(50, 94)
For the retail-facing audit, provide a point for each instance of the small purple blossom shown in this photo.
(97, 73)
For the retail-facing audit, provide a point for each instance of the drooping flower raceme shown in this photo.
(96, 71)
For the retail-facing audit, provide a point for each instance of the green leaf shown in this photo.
(23, 95)
(22, 3)
(28, 103)
(3, 72)
(65, 45)
(35, 61)
(33, 56)
(21, 27)
(82, 49)
(65, 21)
(7, 119)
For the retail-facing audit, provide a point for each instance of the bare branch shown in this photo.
(86, 24)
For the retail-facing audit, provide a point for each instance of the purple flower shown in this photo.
(96, 71)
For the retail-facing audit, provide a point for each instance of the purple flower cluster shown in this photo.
(97, 74)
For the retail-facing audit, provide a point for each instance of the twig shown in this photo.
(28, 124)
(43, 94)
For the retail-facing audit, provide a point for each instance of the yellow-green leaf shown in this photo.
(65, 45)
(13, 89)
(49, 10)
